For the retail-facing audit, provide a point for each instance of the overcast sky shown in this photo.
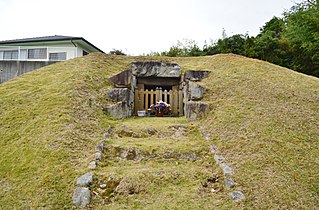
(136, 26)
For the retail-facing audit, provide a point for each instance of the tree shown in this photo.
(268, 44)
(175, 50)
(291, 41)
(187, 48)
(117, 52)
(303, 35)
(276, 26)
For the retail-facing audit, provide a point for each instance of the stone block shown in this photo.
(85, 180)
(100, 146)
(195, 75)
(81, 196)
(122, 79)
(120, 94)
(155, 69)
(237, 195)
(98, 156)
(196, 110)
(120, 110)
(229, 183)
(219, 159)
(92, 165)
(194, 91)
(226, 169)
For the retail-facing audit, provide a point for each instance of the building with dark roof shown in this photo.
(48, 48)
(19, 56)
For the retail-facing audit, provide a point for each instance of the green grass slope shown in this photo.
(264, 119)
(50, 120)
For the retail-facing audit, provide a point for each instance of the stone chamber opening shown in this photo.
(146, 83)
(151, 90)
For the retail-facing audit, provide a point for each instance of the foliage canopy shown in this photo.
(291, 41)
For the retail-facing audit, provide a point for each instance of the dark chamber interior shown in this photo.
(155, 87)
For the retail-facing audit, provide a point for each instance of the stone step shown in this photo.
(160, 160)
(184, 181)
(138, 153)
(149, 130)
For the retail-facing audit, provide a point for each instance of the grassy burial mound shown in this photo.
(50, 120)
(264, 119)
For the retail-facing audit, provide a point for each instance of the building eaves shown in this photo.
(48, 39)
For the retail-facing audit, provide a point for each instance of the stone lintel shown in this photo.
(155, 69)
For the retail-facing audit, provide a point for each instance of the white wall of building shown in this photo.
(55, 50)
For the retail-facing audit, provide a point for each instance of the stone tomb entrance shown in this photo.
(157, 81)
(146, 83)
(153, 89)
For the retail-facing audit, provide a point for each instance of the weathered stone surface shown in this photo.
(103, 186)
(195, 75)
(128, 154)
(98, 156)
(229, 183)
(237, 195)
(133, 82)
(120, 110)
(125, 107)
(219, 159)
(85, 180)
(155, 69)
(196, 110)
(100, 146)
(226, 169)
(81, 196)
(119, 94)
(92, 165)
(122, 79)
(194, 91)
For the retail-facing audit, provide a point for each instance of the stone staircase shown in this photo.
(157, 163)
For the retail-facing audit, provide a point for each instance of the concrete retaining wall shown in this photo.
(11, 69)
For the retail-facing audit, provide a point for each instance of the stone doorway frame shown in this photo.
(130, 93)
(144, 98)
(157, 74)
